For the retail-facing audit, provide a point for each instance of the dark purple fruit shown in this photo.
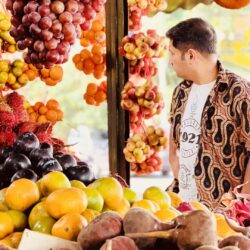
(47, 165)
(37, 154)
(47, 146)
(81, 173)
(15, 162)
(4, 180)
(66, 161)
(25, 143)
(82, 163)
(24, 173)
(4, 153)
(58, 154)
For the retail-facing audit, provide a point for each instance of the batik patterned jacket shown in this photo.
(224, 149)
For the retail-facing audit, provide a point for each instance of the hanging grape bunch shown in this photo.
(48, 28)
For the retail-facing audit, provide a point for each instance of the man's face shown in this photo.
(178, 62)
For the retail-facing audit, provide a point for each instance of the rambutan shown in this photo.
(7, 119)
(44, 137)
(21, 115)
(15, 100)
(26, 127)
(4, 107)
(7, 138)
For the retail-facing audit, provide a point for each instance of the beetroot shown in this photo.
(119, 243)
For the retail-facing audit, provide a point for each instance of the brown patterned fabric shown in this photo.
(225, 134)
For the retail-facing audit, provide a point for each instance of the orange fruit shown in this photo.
(122, 207)
(85, 54)
(38, 212)
(52, 104)
(87, 71)
(50, 82)
(166, 215)
(88, 64)
(79, 65)
(110, 189)
(43, 109)
(44, 225)
(59, 114)
(6, 225)
(31, 74)
(51, 115)
(89, 100)
(53, 181)
(23, 79)
(90, 35)
(45, 72)
(12, 240)
(100, 96)
(21, 194)
(97, 49)
(67, 200)
(77, 184)
(30, 110)
(69, 226)
(76, 58)
(98, 74)
(56, 73)
(97, 25)
(95, 200)
(149, 205)
(18, 218)
(84, 42)
(92, 88)
(223, 229)
(33, 116)
(175, 199)
(42, 119)
(100, 36)
(32, 67)
(103, 86)
(97, 59)
(130, 195)
(37, 106)
(232, 4)
(100, 67)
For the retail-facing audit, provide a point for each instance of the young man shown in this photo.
(210, 118)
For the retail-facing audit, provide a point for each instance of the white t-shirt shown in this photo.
(189, 139)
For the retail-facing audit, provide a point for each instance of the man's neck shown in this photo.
(207, 72)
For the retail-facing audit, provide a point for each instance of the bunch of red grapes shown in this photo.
(48, 28)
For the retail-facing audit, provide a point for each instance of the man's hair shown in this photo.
(193, 33)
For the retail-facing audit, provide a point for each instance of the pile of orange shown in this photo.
(95, 35)
(31, 71)
(96, 94)
(52, 76)
(92, 62)
(41, 112)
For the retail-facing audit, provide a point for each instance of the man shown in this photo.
(210, 118)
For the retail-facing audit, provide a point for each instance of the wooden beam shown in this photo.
(117, 76)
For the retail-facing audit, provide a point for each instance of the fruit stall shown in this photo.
(49, 197)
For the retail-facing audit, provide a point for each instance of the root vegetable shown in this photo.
(138, 220)
(186, 230)
(230, 248)
(119, 243)
(207, 247)
(241, 241)
(105, 226)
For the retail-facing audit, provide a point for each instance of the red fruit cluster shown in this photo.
(142, 101)
(139, 8)
(48, 28)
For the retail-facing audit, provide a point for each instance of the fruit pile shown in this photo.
(141, 150)
(140, 49)
(49, 112)
(139, 8)
(29, 158)
(7, 42)
(142, 101)
(96, 34)
(48, 28)
(13, 75)
(96, 94)
(92, 62)
(52, 76)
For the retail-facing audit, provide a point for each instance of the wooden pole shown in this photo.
(117, 76)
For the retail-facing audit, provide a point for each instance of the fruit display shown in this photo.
(232, 4)
(45, 112)
(52, 76)
(92, 62)
(49, 28)
(7, 42)
(96, 94)
(139, 8)
(13, 74)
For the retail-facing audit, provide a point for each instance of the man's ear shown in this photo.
(191, 55)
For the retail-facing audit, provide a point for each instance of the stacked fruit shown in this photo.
(48, 28)
(7, 42)
(96, 35)
(31, 159)
(140, 49)
(145, 100)
(13, 75)
(52, 76)
(139, 8)
(49, 112)
(96, 94)
(32, 72)
(141, 150)
(92, 62)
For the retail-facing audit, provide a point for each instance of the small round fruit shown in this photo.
(19, 219)
(95, 200)
(44, 225)
(77, 184)
(6, 225)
